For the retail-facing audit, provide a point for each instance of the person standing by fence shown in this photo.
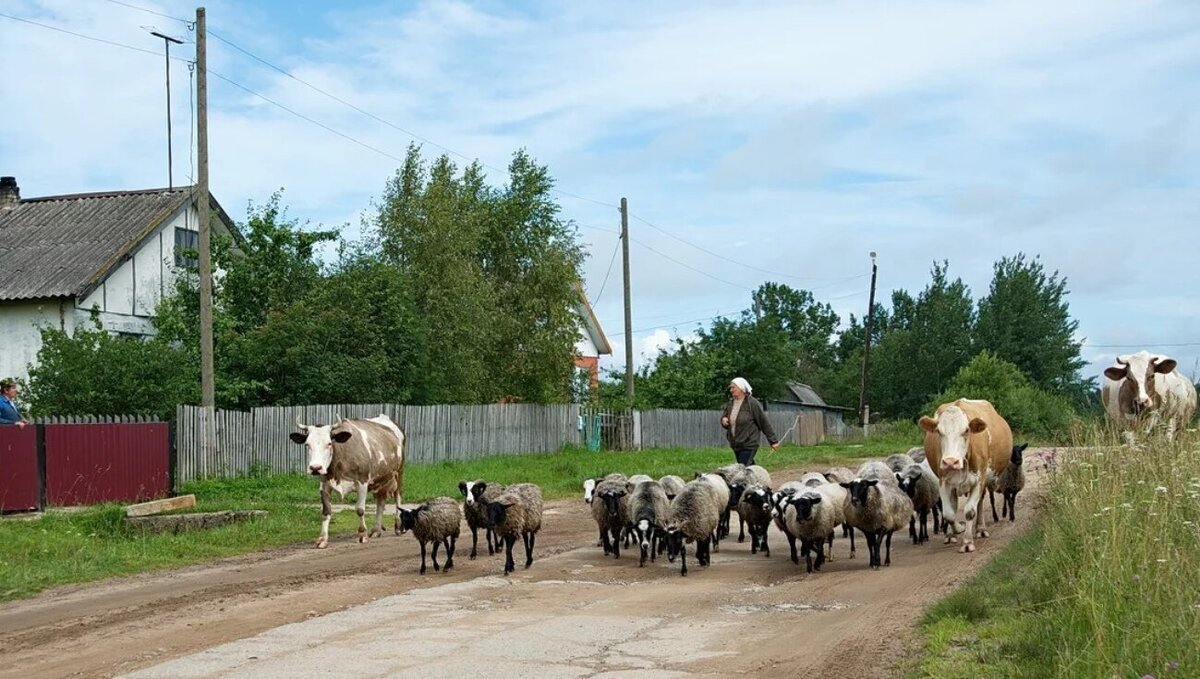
(8, 403)
(745, 421)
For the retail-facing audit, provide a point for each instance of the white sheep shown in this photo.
(839, 475)
(721, 488)
(878, 509)
(695, 513)
(639, 478)
(898, 462)
(436, 521)
(811, 515)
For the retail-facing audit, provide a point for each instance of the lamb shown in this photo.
(611, 512)
(753, 475)
(721, 487)
(754, 508)
(898, 462)
(436, 521)
(672, 484)
(839, 475)
(1009, 482)
(811, 516)
(477, 495)
(878, 509)
(518, 511)
(921, 485)
(649, 510)
(695, 513)
(874, 469)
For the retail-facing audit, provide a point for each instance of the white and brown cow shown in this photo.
(1146, 389)
(964, 440)
(360, 455)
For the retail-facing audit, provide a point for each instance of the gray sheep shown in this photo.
(839, 475)
(1008, 483)
(921, 485)
(517, 512)
(752, 475)
(436, 521)
(874, 469)
(898, 462)
(649, 509)
(754, 508)
(672, 485)
(695, 513)
(639, 478)
(877, 509)
(477, 495)
(810, 516)
(610, 509)
(917, 454)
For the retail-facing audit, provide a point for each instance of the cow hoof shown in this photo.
(984, 533)
(377, 533)
(362, 539)
(966, 548)
(321, 543)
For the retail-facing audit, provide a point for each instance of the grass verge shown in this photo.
(79, 546)
(1104, 585)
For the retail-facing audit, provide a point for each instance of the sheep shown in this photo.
(589, 485)
(839, 475)
(672, 484)
(611, 512)
(721, 487)
(813, 479)
(874, 469)
(779, 500)
(754, 508)
(435, 521)
(649, 510)
(752, 475)
(477, 495)
(917, 453)
(518, 511)
(1008, 483)
(878, 509)
(729, 472)
(811, 516)
(898, 462)
(694, 515)
(921, 485)
(639, 478)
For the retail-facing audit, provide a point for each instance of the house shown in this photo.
(592, 344)
(116, 252)
(798, 397)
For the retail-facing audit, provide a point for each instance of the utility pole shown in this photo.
(864, 409)
(628, 307)
(207, 389)
(167, 40)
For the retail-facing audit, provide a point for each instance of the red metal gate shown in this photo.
(20, 480)
(90, 463)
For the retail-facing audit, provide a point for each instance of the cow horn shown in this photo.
(301, 425)
(339, 420)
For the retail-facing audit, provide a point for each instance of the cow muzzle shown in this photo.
(316, 469)
(952, 463)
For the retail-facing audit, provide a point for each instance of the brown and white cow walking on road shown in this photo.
(1146, 389)
(359, 455)
(963, 441)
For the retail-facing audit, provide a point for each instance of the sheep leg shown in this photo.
(450, 544)
(436, 544)
(326, 515)
(830, 557)
(497, 539)
(1011, 499)
(792, 543)
(380, 506)
(616, 544)
(765, 547)
(360, 506)
(529, 549)
(847, 531)
(509, 566)
(820, 549)
(806, 547)
(923, 534)
(992, 497)
(888, 559)
(605, 541)
(741, 528)
(683, 558)
(912, 528)
(422, 557)
(475, 542)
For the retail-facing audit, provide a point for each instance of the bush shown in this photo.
(1028, 409)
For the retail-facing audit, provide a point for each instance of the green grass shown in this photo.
(1103, 586)
(78, 546)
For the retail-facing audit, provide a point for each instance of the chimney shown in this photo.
(10, 193)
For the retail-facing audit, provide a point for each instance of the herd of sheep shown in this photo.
(668, 514)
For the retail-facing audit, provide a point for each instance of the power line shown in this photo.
(88, 37)
(689, 266)
(155, 13)
(606, 273)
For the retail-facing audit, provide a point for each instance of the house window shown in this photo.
(187, 244)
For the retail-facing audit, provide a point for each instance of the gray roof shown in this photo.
(803, 393)
(63, 246)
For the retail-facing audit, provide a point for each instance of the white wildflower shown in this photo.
(1161, 489)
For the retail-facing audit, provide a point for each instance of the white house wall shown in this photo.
(586, 348)
(20, 324)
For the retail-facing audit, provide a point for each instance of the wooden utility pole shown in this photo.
(628, 307)
(864, 409)
(207, 388)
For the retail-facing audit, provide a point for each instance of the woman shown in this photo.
(8, 406)
(744, 421)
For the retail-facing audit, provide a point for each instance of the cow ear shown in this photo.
(1163, 365)
(928, 424)
(341, 436)
(1116, 373)
(297, 437)
(977, 425)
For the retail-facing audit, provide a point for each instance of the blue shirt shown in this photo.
(8, 411)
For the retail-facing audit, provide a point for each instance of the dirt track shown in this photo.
(743, 614)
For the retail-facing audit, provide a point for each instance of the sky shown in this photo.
(765, 141)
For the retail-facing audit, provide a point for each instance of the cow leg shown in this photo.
(326, 515)
(887, 561)
(948, 512)
(360, 506)
(422, 557)
(509, 566)
(981, 520)
(971, 514)
(381, 499)
(398, 493)
(450, 544)
(436, 544)
(992, 498)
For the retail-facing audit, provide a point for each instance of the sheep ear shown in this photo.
(845, 485)
(481, 486)
(899, 478)
(928, 424)
(871, 482)
(816, 499)
(462, 487)
(1021, 448)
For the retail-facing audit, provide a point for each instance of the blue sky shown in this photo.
(786, 137)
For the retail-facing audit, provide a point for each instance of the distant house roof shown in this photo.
(592, 324)
(64, 246)
(802, 394)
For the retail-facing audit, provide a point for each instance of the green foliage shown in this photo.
(93, 372)
(808, 323)
(1029, 410)
(1025, 320)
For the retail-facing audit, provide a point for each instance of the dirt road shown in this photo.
(575, 613)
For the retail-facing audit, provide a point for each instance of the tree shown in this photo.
(1025, 320)
(808, 324)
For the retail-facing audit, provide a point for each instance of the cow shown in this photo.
(964, 441)
(1146, 389)
(361, 455)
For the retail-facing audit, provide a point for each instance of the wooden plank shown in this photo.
(160, 506)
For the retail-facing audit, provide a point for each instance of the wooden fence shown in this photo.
(257, 441)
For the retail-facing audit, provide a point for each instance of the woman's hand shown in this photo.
(725, 422)
(774, 446)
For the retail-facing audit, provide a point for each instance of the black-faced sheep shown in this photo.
(436, 521)
(610, 509)
(920, 484)
(649, 510)
(811, 515)
(753, 475)
(1008, 483)
(779, 504)
(754, 508)
(477, 494)
(695, 513)
(877, 509)
(517, 512)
